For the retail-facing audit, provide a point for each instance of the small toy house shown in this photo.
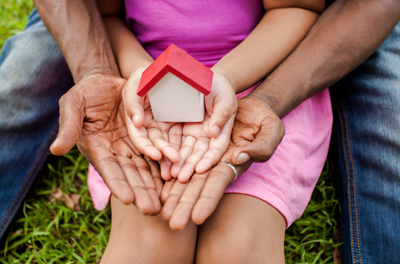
(176, 84)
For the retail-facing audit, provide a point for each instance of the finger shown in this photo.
(187, 149)
(218, 180)
(181, 215)
(133, 103)
(218, 147)
(175, 136)
(165, 166)
(224, 109)
(143, 200)
(110, 169)
(72, 112)
(157, 138)
(149, 182)
(199, 150)
(155, 172)
(172, 200)
(166, 190)
(263, 146)
(141, 140)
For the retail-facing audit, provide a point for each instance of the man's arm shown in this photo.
(91, 112)
(344, 36)
(78, 29)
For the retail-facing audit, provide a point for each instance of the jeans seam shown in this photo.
(346, 139)
(27, 182)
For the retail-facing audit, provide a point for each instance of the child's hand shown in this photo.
(204, 143)
(151, 138)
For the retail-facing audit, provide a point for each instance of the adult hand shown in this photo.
(256, 134)
(92, 115)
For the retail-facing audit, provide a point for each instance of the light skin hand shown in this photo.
(92, 115)
(202, 146)
(257, 132)
(204, 143)
(153, 139)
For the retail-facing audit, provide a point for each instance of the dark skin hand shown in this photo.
(91, 112)
(95, 120)
(255, 131)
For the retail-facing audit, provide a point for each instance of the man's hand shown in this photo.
(92, 115)
(256, 134)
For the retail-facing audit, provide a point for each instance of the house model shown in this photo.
(176, 84)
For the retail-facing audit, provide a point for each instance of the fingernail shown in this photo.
(216, 130)
(242, 158)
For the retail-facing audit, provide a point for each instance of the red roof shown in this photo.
(176, 61)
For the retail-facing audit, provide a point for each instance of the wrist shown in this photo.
(95, 70)
(278, 96)
(223, 72)
(138, 68)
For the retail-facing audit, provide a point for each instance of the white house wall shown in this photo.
(173, 100)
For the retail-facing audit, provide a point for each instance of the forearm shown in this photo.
(276, 35)
(344, 36)
(128, 51)
(77, 27)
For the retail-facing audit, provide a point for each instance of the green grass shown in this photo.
(47, 231)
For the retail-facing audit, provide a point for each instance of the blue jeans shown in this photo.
(366, 154)
(33, 77)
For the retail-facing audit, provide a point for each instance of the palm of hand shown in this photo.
(104, 140)
(199, 151)
(162, 140)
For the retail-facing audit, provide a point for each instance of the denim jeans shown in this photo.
(366, 154)
(33, 77)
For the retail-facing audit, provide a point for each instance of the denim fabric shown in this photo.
(33, 76)
(366, 141)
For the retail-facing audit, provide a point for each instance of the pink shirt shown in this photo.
(206, 29)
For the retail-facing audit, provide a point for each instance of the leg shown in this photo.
(366, 142)
(33, 76)
(136, 238)
(243, 229)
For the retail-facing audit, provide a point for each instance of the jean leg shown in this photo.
(366, 141)
(33, 76)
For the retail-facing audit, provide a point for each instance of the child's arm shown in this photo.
(283, 26)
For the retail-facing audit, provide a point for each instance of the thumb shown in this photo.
(133, 103)
(262, 147)
(223, 110)
(72, 112)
